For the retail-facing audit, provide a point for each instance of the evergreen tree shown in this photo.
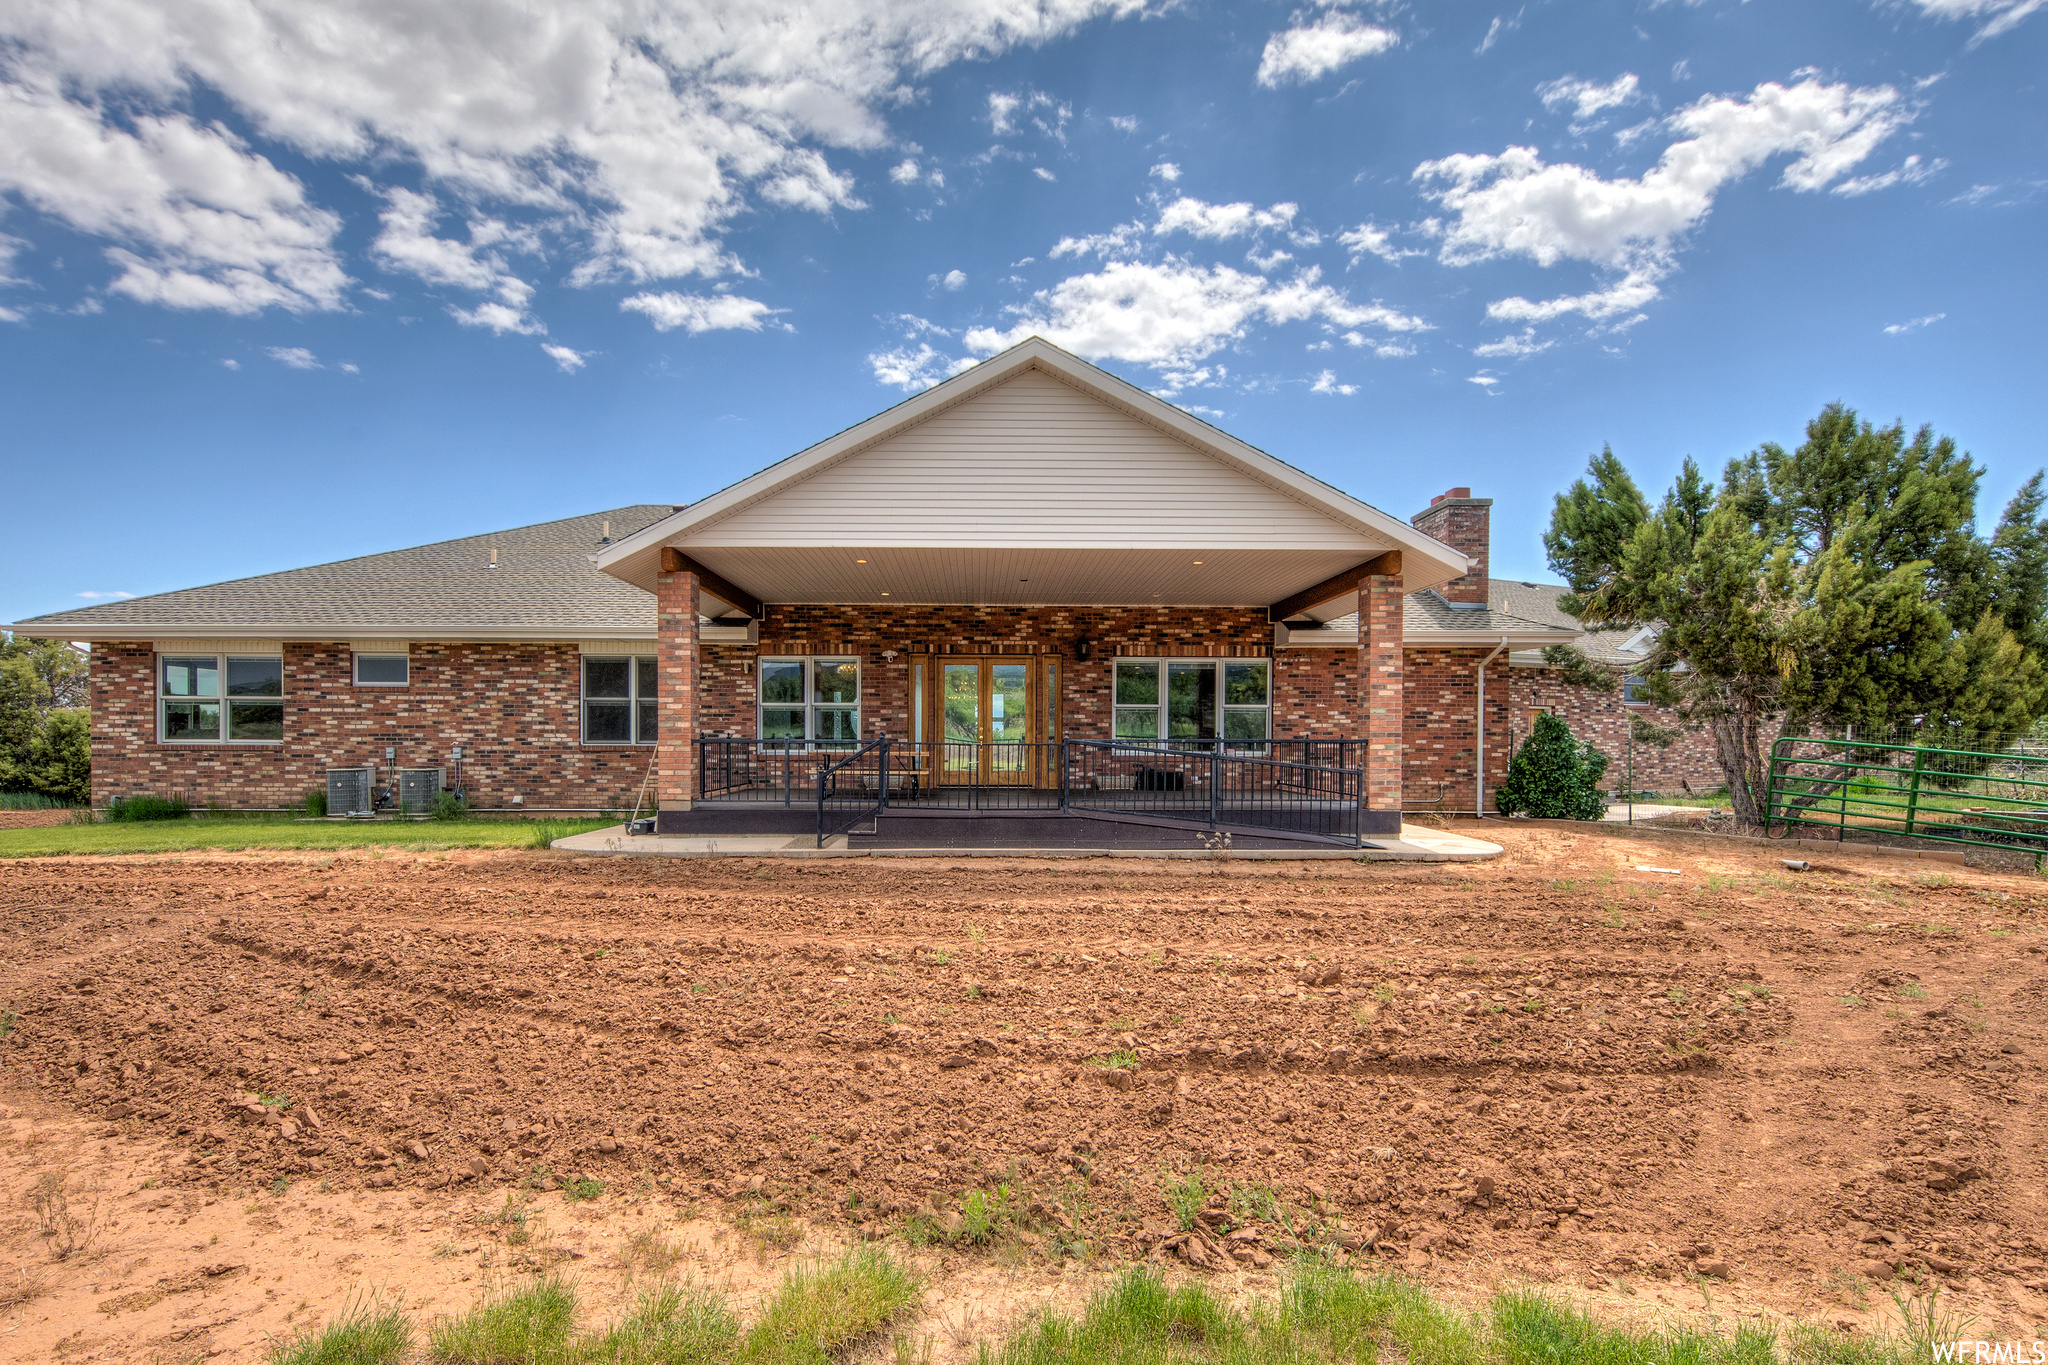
(1840, 583)
(1553, 776)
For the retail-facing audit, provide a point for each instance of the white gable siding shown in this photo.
(1032, 462)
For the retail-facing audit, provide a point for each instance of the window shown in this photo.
(1193, 699)
(220, 698)
(621, 701)
(1632, 692)
(383, 670)
(810, 699)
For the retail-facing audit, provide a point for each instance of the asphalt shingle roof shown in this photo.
(544, 579)
(1538, 602)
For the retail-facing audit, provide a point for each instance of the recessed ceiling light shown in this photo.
(860, 561)
(1198, 561)
(885, 594)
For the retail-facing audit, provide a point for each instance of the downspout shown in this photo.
(1479, 804)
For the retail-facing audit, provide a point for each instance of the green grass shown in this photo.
(362, 1334)
(240, 832)
(1324, 1315)
(820, 1311)
(511, 1327)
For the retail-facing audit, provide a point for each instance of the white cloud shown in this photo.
(1120, 240)
(904, 172)
(349, 367)
(1123, 123)
(1483, 380)
(1326, 382)
(1525, 344)
(1681, 70)
(1002, 112)
(1175, 313)
(1368, 238)
(952, 281)
(406, 244)
(1309, 51)
(915, 370)
(1901, 328)
(193, 217)
(232, 364)
(1043, 174)
(1911, 171)
(106, 596)
(1167, 171)
(1494, 30)
(1269, 262)
(567, 358)
(1513, 204)
(633, 135)
(298, 357)
(1587, 98)
(2000, 16)
(500, 318)
(1219, 221)
(700, 313)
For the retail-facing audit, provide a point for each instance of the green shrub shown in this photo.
(148, 808)
(449, 806)
(1554, 777)
(315, 803)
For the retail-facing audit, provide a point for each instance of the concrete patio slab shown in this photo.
(1418, 843)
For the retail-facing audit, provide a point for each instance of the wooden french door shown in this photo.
(989, 720)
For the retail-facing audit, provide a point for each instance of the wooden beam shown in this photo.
(1348, 581)
(675, 561)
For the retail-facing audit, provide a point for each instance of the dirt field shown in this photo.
(1788, 1088)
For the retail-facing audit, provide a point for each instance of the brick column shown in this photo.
(675, 596)
(1379, 666)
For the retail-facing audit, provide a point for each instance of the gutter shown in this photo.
(1479, 768)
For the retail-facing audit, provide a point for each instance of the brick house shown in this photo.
(1030, 555)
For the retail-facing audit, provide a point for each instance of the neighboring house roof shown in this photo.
(1538, 602)
(1032, 477)
(1428, 618)
(544, 582)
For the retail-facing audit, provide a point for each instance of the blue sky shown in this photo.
(278, 292)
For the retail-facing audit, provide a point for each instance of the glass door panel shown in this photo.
(1009, 722)
(960, 709)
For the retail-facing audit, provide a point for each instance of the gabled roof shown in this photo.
(1272, 495)
(544, 582)
(1538, 602)
(1427, 618)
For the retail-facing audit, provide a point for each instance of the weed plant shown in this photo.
(361, 1334)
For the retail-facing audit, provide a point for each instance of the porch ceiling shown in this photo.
(1021, 576)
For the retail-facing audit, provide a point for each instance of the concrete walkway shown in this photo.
(1417, 844)
(1644, 811)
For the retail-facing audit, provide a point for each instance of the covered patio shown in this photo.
(1033, 592)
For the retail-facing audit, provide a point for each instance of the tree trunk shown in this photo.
(1738, 747)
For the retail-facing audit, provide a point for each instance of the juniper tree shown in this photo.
(1814, 588)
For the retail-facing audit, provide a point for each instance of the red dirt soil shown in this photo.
(1553, 1065)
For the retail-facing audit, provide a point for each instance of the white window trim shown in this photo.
(355, 672)
(1222, 708)
(226, 702)
(809, 706)
(633, 698)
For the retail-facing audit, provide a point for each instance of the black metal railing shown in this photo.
(1217, 786)
(1288, 785)
(852, 789)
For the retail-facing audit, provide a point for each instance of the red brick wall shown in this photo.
(1441, 690)
(1381, 662)
(512, 708)
(675, 624)
(1599, 717)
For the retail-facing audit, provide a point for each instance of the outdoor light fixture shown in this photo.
(889, 655)
(860, 561)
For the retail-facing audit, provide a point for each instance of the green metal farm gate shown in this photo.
(1863, 789)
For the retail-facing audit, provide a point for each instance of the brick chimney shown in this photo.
(1462, 522)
